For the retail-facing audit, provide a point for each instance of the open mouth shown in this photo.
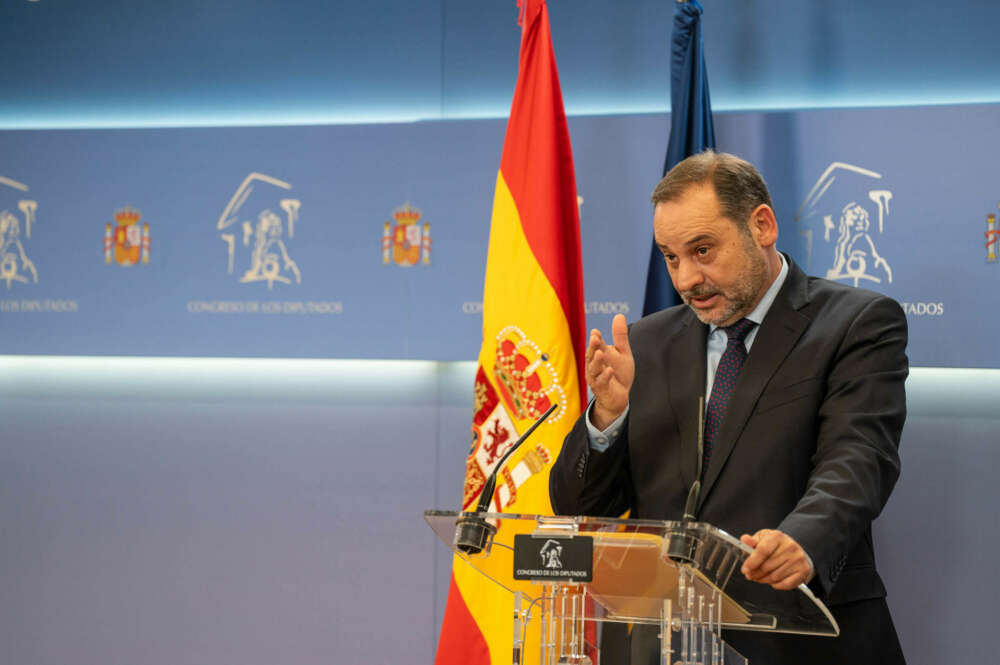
(703, 301)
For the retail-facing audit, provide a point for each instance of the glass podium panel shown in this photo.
(643, 571)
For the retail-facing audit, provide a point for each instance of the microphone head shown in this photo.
(473, 535)
(692, 501)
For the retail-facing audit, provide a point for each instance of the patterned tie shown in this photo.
(725, 381)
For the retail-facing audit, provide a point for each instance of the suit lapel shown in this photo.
(779, 332)
(686, 382)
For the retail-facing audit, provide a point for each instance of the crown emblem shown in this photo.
(126, 243)
(527, 381)
(992, 238)
(127, 216)
(406, 214)
(405, 242)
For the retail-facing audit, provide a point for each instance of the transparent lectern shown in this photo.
(570, 575)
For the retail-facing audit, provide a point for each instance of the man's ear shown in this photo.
(764, 225)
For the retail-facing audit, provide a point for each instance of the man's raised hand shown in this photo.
(610, 372)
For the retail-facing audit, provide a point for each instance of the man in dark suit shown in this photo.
(802, 453)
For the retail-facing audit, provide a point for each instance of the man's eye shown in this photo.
(701, 251)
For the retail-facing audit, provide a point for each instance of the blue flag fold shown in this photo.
(691, 128)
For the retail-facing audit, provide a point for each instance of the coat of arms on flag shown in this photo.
(527, 385)
(126, 241)
(405, 241)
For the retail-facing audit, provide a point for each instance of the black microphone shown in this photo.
(693, 494)
(692, 501)
(472, 533)
(682, 544)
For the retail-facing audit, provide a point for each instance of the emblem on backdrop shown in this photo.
(17, 215)
(257, 228)
(992, 238)
(528, 385)
(843, 219)
(405, 241)
(125, 241)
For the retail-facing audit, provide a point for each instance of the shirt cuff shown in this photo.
(602, 440)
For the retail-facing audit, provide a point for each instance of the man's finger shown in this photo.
(768, 567)
(786, 553)
(790, 582)
(619, 333)
(597, 364)
(600, 379)
(766, 545)
(776, 572)
(595, 343)
(794, 577)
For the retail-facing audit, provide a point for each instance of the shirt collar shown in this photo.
(760, 311)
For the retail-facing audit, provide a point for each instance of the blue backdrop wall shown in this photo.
(118, 63)
(261, 501)
(296, 241)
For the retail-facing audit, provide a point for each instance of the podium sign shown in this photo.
(552, 558)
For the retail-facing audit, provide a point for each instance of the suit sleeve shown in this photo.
(585, 481)
(856, 461)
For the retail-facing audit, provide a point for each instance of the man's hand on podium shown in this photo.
(777, 560)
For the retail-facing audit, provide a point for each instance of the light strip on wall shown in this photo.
(930, 389)
(309, 380)
(67, 118)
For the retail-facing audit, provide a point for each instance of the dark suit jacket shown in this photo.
(808, 445)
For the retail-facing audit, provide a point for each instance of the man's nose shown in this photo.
(686, 275)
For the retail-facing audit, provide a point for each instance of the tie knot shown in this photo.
(739, 330)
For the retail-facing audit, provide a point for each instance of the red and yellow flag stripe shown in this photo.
(533, 320)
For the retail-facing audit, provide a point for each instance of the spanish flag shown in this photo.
(533, 337)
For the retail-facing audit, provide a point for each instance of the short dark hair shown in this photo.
(738, 185)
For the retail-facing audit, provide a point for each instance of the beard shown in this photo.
(740, 297)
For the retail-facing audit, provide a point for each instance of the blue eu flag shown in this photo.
(691, 129)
